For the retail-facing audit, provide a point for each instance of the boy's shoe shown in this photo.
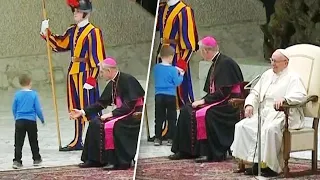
(169, 143)
(37, 162)
(16, 165)
(157, 142)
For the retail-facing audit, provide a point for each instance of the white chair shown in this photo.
(304, 59)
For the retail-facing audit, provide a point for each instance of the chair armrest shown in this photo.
(236, 102)
(286, 133)
(312, 98)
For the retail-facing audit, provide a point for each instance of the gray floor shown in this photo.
(147, 149)
(47, 135)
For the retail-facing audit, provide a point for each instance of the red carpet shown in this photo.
(66, 173)
(162, 168)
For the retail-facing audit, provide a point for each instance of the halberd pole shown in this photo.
(51, 76)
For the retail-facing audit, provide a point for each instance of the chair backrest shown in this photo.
(304, 59)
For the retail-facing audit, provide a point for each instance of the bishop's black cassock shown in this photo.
(218, 120)
(125, 131)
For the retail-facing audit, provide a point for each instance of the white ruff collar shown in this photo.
(172, 2)
(83, 23)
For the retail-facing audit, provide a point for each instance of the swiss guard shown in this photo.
(85, 43)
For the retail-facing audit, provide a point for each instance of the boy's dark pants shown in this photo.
(165, 109)
(21, 128)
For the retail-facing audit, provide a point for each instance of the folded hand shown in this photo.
(197, 103)
(106, 116)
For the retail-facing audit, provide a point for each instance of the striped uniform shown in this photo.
(177, 27)
(87, 51)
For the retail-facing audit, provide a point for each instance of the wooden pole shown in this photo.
(51, 75)
(147, 123)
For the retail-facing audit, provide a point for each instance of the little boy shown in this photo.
(25, 108)
(167, 78)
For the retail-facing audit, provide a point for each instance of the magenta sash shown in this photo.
(201, 113)
(108, 126)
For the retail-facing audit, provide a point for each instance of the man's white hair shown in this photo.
(201, 45)
(106, 66)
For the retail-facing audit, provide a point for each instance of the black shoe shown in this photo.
(175, 156)
(109, 167)
(89, 164)
(124, 166)
(252, 171)
(69, 148)
(37, 162)
(203, 159)
(179, 156)
(157, 142)
(220, 159)
(267, 172)
(17, 165)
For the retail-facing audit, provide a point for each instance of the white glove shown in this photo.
(181, 71)
(44, 26)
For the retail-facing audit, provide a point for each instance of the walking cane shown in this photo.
(259, 123)
(51, 75)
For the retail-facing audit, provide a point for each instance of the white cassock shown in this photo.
(272, 87)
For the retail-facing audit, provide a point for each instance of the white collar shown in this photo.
(83, 23)
(172, 2)
(165, 63)
(276, 76)
(215, 55)
(281, 72)
(115, 76)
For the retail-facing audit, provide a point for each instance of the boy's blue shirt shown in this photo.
(167, 79)
(26, 105)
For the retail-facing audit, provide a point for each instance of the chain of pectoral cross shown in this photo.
(114, 90)
(211, 85)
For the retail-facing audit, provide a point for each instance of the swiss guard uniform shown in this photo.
(177, 27)
(85, 43)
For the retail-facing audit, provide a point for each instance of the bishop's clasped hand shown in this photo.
(106, 117)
